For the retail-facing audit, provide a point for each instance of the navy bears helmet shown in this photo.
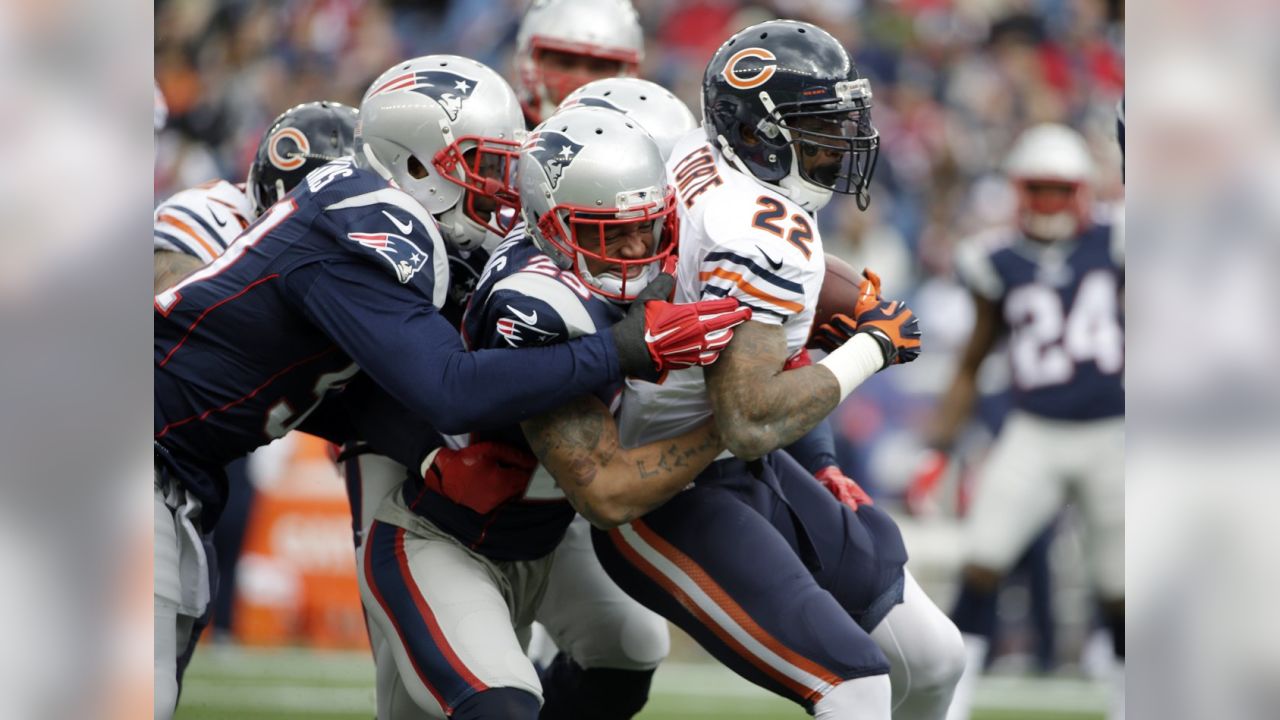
(301, 139)
(784, 103)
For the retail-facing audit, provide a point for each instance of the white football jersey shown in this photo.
(739, 238)
(202, 221)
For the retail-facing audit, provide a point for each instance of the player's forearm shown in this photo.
(170, 267)
(608, 485)
(638, 480)
(774, 413)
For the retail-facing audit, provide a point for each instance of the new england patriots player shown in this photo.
(794, 590)
(562, 45)
(1053, 286)
(196, 225)
(343, 283)
(452, 586)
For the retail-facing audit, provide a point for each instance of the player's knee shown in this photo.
(981, 579)
(504, 703)
(643, 642)
(946, 661)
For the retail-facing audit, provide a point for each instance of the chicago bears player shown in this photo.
(196, 225)
(562, 45)
(1053, 286)
(342, 282)
(453, 585)
(794, 590)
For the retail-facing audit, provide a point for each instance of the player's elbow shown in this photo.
(746, 440)
(603, 506)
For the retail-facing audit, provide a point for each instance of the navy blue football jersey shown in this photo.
(1062, 304)
(346, 274)
(523, 300)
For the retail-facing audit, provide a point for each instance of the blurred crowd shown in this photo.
(954, 82)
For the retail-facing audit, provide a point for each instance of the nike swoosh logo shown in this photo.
(775, 264)
(220, 221)
(650, 338)
(405, 228)
(529, 319)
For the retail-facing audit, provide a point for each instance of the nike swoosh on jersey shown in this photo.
(529, 319)
(216, 218)
(775, 264)
(403, 227)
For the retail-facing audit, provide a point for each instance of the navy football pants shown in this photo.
(768, 572)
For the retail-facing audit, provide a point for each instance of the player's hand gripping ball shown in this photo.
(844, 292)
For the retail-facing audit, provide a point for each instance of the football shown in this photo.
(839, 294)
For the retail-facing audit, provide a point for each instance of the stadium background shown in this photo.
(955, 81)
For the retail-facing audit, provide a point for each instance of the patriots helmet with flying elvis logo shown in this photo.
(563, 44)
(785, 104)
(447, 130)
(663, 115)
(595, 198)
(301, 139)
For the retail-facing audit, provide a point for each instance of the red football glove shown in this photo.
(843, 487)
(684, 335)
(481, 476)
(925, 482)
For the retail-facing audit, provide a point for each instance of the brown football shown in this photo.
(839, 294)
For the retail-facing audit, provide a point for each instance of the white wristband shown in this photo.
(854, 362)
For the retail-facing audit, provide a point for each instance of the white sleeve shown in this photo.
(977, 272)
(772, 280)
(201, 221)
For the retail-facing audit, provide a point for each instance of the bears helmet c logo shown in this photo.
(287, 158)
(762, 73)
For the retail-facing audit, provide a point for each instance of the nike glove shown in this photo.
(481, 476)
(893, 325)
(656, 336)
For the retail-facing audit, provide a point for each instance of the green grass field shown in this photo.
(250, 684)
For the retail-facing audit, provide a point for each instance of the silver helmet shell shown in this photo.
(1051, 154)
(432, 125)
(584, 171)
(663, 115)
(602, 29)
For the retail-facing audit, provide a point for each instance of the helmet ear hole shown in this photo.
(417, 170)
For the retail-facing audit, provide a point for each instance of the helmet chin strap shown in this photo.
(613, 284)
(1050, 227)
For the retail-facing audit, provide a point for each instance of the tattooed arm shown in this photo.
(170, 267)
(758, 407)
(607, 484)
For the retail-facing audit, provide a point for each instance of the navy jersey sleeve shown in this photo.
(512, 319)
(364, 412)
(816, 450)
(413, 353)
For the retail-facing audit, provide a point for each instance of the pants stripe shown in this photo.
(684, 579)
(397, 584)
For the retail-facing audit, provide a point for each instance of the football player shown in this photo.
(196, 225)
(794, 590)
(342, 282)
(1053, 286)
(562, 45)
(452, 584)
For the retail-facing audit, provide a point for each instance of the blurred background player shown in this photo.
(562, 45)
(1054, 285)
(196, 225)
(794, 590)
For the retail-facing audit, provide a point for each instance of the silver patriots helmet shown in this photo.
(589, 176)
(603, 35)
(447, 130)
(656, 109)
